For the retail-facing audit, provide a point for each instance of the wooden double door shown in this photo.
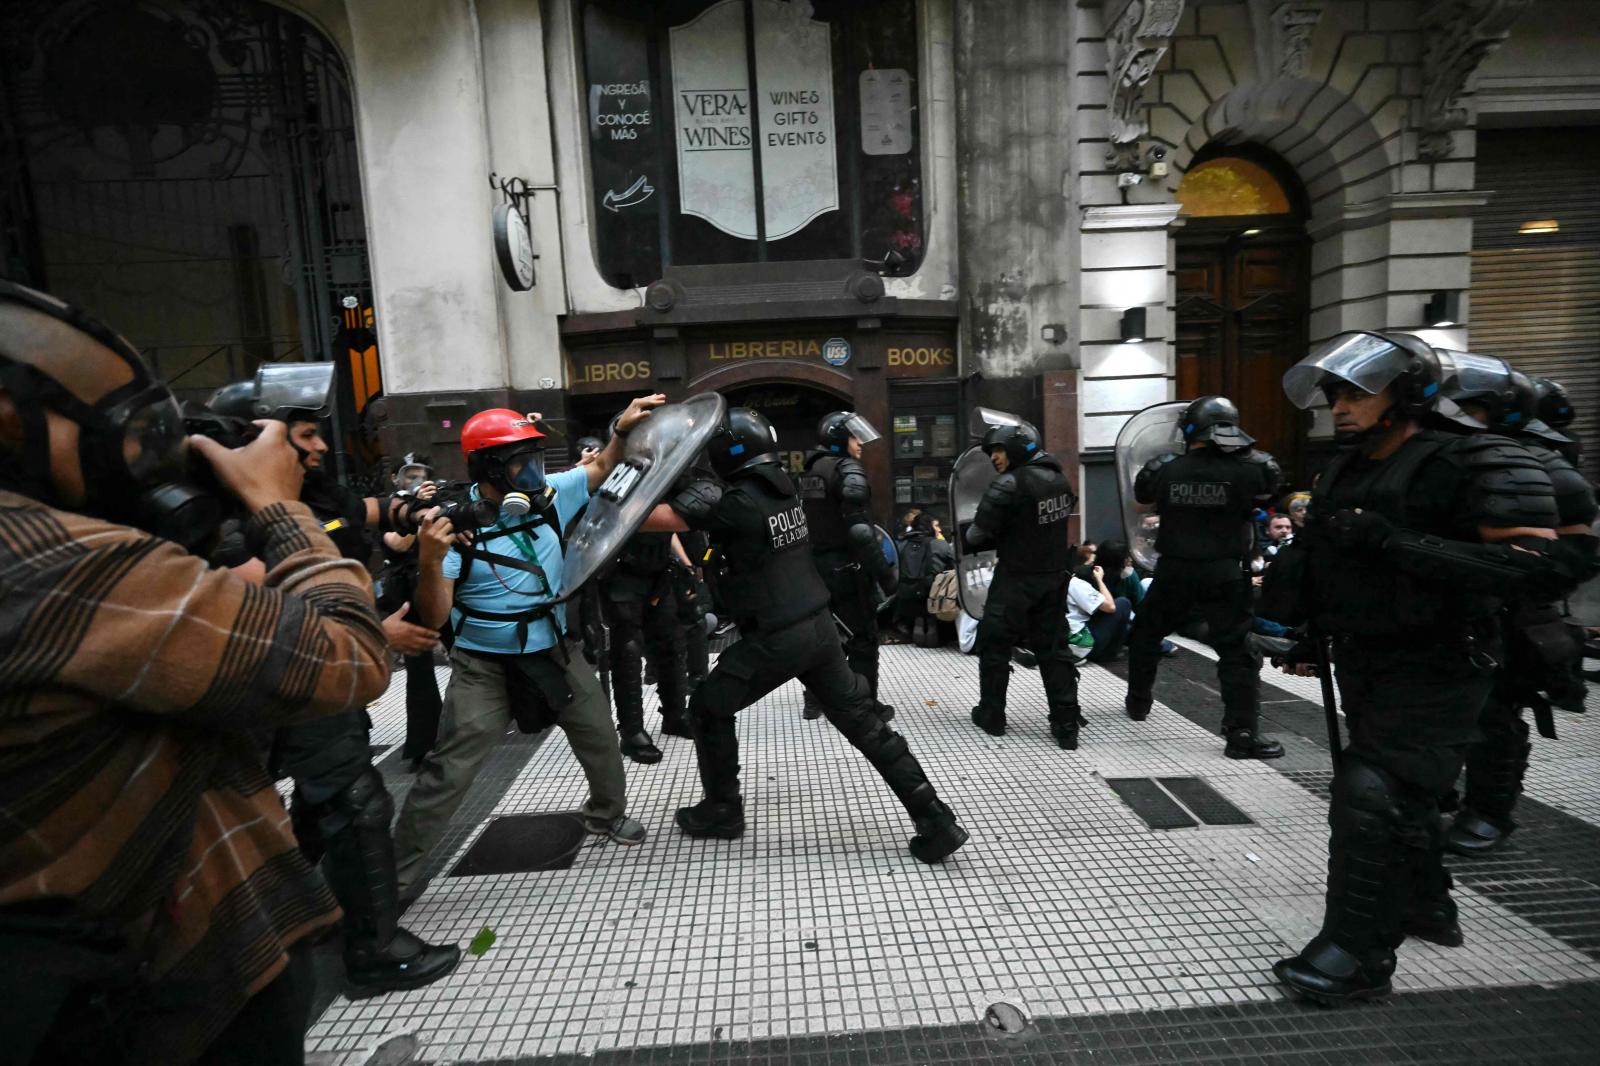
(1241, 322)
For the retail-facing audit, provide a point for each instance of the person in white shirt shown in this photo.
(1097, 622)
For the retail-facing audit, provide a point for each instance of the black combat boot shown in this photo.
(1495, 766)
(1247, 744)
(1324, 972)
(676, 726)
(379, 956)
(993, 724)
(1138, 707)
(716, 748)
(938, 835)
(884, 711)
(1431, 914)
(1064, 728)
(639, 747)
(811, 707)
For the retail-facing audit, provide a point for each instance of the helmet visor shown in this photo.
(153, 437)
(525, 469)
(1365, 360)
(303, 389)
(984, 419)
(1468, 376)
(860, 429)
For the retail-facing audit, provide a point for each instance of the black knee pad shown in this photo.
(365, 802)
(892, 746)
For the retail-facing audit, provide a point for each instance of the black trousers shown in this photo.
(1498, 759)
(850, 599)
(809, 650)
(423, 706)
(646, 627)
(1411, 714)
(271, 1029)
(1227, 609)
(1027, 610)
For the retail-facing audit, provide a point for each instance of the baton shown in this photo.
(1330, 704)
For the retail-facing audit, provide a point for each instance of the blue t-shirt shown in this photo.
(506, 590)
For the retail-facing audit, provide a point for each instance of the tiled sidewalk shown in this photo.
(819, 922)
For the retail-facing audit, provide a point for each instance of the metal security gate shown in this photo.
(1536, 263)
(187, 170)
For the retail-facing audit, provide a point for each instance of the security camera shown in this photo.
(1158, 152)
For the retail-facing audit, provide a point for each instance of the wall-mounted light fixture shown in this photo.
(1443, 309)
(1540, 225)
(1053, 333)
(1251, 233)
(1133, 325)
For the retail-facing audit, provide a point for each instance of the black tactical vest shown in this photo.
(646, 554)
(819, 492)
(771, 581)
(1206, 499)
(342, 512)
(1575, 498)
(1037, 538)
(1361, 593)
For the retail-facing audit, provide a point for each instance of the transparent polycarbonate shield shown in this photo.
(655, 453)
(294, 387)
(1153, 432)
(891, 556)
(969, 480)
(1468, 375)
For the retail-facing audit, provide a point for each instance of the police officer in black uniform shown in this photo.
(1206, 499)
(1414, 538)
(1543, 659)
(844, 541)
(342, 810)
(771, 587)
(1023, 516)
(641, 603)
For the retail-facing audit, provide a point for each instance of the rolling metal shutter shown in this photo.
(1536, 299)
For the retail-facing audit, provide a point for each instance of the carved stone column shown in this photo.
(1457, 35)
(1137, 36)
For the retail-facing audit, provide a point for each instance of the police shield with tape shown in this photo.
(1542, 665)
(844, 542)
(1415, 539)
(1205, 498)
(1022, 516)
(757, 524)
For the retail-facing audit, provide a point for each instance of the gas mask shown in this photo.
(131, 438)
(521, 477)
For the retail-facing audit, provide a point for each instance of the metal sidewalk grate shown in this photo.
(1176, 802)
(522, 843)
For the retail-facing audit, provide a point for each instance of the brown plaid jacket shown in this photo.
(131, 676)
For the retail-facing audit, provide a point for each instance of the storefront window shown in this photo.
(925, 439)
(738, 131)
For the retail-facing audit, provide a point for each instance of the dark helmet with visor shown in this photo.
(1019, 438)
(1404, 364)
(1506, 395)
(1553, 406)
(131, 435)
(837, 427)
(1214, 419)
(745, 439)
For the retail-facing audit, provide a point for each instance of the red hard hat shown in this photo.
(496, 426)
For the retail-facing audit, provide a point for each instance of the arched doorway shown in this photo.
(1243, 290)
(186, 170)
(793, 409)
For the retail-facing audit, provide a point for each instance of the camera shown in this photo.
(455, 503)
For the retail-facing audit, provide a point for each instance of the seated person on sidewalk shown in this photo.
(512, 658)
(1097, 621)
(923, 556)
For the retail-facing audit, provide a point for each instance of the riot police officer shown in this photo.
(641, 603)
(1553, 407)
(342, 809)
(844, 542)
(1023, 516)
(1542, 660)
(1414, 538)
(1206, 498)
(771, 587)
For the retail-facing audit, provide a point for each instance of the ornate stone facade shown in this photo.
(1457, 34)
(1137, 39)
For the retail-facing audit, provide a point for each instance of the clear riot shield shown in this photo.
(656, 452)
(969, 479)
(1152, 432)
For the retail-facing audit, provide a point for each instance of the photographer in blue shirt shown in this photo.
(512, 659)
